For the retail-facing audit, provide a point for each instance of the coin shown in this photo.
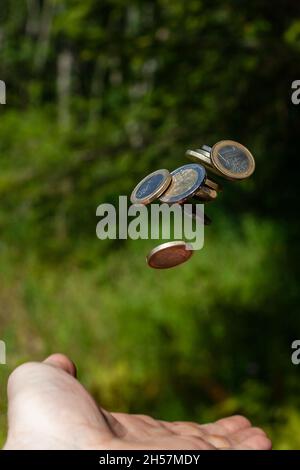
(199, 156)
(151, 187)
(206, 148)
(169, 255)
(186, 180)
(206, 194)
(232, 159)
(213, 185)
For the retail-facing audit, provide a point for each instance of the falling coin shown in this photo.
(232, 159)
(151, 187)
(206, 194)
(169, 255)
(213, 185)
(199, 156)
(206, 148)
(186, 180)
(226, 158)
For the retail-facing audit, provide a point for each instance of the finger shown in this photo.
(219, 442)
(244, 434)
(253, 438)
(256, 442)
(62, 362)
(227, 426)
(148, 420)
(189, 429)
(141, 426)
(46, 403)
(234, 423)
(185, 428)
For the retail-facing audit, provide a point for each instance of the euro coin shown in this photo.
(186, 180)
(151, 187)
(232, 160)
(169, 255)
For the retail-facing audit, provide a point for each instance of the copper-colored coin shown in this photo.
(169, 255)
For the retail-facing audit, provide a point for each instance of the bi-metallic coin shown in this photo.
(151, 187)
(232, 159)
(186, 180)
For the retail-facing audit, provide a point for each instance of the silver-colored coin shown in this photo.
(232, 159)
(206, 148)
(186, 180)
(199, 156)
(151, 187)
(169, 255)
(204, 152)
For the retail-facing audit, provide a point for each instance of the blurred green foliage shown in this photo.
(98, 95)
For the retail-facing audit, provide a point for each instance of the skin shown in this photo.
(50, 409)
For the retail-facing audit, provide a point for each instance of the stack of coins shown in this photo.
(227, 159)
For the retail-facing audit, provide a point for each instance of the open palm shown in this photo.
(50, 409)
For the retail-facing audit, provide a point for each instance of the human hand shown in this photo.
(50, 409)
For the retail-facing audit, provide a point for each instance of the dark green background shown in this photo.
(100, 93)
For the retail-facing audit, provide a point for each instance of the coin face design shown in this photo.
(232, 159)
(169, 255)
(151, 187)
(186, 180)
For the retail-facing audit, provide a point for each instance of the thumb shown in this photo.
(37, 392)
(62, 362)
